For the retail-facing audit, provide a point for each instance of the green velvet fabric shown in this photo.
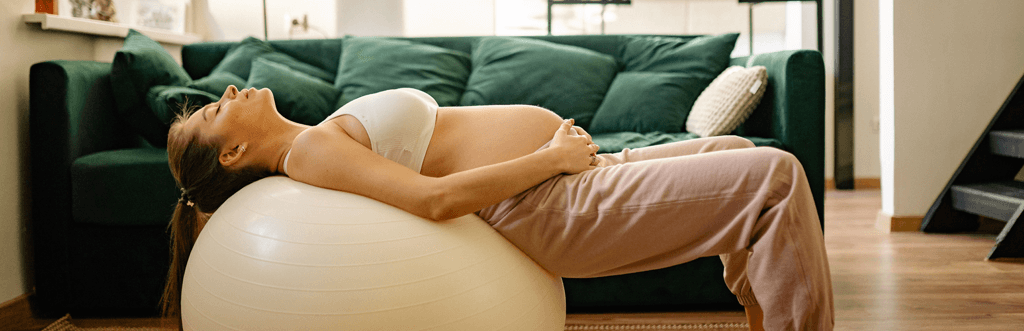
(641, 100)
(299, 97)
(299, 66)
(616, 142)
(216, 83)
(570, 81)
(126, 187)
(652, 290)
(240, 57)
(646, 102)
(705, 57)
(168, 101)
(370, 65)
(238, 60)
(140, 64)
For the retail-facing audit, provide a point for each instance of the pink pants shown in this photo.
(654, 207)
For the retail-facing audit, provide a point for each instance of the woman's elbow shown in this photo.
(438, 205)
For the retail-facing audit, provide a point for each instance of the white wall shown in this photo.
(371, 18)
(432, 18)
(953, 65)
(866, 163)
(233, 20)
(23, 45)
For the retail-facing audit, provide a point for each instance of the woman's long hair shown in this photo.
(205, 184)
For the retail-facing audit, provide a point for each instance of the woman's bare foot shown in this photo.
(755, 317)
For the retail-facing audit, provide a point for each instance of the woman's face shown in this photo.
(238, 115)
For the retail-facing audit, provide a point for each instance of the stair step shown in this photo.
(1007, 143)
(997, 200)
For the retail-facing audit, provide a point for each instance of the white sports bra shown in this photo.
(399, 122)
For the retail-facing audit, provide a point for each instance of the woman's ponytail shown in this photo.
(184, 228)
(205, 184)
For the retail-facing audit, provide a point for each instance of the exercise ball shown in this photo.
(284, 255)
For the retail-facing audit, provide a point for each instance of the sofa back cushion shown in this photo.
(674, 72)
(644, 102)
(370, 65)
(298, 96)
(494, 87)
(568, 80)
(139, 65)
(167, 101)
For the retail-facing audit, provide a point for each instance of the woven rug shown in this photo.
(64, 324)
(662, 327)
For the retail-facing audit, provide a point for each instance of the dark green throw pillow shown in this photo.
(216, 83)
(646, 102)
(570, 81)
(707, 56)
(299, 66)
(370, 65)
(643, 101)
(167, 101)
(140, 64)
(239, 59)
(299, 97)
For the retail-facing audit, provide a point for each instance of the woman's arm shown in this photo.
(349, 166)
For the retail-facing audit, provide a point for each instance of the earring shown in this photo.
(241, 148)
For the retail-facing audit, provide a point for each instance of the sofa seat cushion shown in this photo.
(126, 187)
(615, 142)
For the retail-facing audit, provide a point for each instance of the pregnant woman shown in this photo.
(537, 180)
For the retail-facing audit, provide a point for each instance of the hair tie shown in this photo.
(184, 197)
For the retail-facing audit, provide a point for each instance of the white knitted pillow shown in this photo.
(728, 101)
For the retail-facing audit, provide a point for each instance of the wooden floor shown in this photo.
(896, 281)
(881, 281)
(912, 280)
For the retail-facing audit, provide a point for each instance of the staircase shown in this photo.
(989, 183)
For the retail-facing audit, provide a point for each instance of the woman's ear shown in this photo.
(232, 156)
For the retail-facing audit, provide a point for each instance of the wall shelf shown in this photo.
(101, 28)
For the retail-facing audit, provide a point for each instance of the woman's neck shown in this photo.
(283, 144)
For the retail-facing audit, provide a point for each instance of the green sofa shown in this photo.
(102, 195)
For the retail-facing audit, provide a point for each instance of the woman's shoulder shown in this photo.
(313, 144)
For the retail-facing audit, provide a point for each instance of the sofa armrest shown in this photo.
(793, 111)
(71, 114)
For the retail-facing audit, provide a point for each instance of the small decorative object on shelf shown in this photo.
(161, 14)
(46, 6)
(81, 8)
(103, 10)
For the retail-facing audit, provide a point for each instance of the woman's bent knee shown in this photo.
(733, 142)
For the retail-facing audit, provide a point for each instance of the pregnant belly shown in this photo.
(470, 137)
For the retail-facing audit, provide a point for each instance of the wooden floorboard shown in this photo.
(897, 281)
(881, 281)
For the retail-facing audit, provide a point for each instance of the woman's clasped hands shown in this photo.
(575, 148)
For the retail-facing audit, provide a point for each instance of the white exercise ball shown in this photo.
(284, 255)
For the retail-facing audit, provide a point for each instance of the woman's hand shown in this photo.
(576, 153)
